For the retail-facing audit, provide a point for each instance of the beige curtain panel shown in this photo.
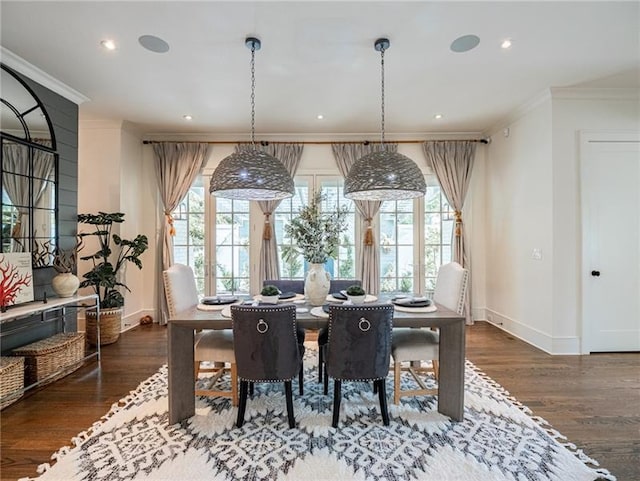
(177, 165)
(452, 162)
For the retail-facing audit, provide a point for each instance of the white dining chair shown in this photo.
(414, 345)
(214, 346)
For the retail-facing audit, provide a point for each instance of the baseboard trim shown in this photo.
(566, 345)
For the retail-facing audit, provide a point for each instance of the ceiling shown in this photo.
(318, 58)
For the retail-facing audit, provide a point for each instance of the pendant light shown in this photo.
(251, 174)
(384, 175)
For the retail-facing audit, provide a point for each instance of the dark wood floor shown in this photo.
(593, 400)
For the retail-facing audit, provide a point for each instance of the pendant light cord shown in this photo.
(382, 97)
(253, 94)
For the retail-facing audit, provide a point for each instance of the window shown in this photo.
(294, 266)
(396, 246)
(189, 223)
(291, 265)
(415, 237)
(344, 267)
(231, 234)
(405, 238)
(438, 230)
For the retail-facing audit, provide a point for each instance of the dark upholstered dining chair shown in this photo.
(412, 345)
(336, 285)
(215, 346)
(286, 285)
(359, 349)
(267, 350)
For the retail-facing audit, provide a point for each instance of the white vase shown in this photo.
(316, 284)
(65, 284)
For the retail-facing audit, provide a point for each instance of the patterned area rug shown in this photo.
(499, 439)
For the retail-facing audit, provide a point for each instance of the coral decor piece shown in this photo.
(16, 286)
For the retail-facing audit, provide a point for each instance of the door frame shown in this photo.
(585, 138)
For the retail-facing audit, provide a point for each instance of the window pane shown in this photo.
(344, 266)
(232, 246)
(438, 224)
(396, 246)
(189, 224)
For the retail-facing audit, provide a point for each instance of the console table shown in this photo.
(53, 310)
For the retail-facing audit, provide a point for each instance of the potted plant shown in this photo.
(356, 294)
(269, 294)
(316, 236)
(103, 277)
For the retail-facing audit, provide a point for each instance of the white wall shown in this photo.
(575, 111)
(519, 208)
(110, 176)
(533, 201)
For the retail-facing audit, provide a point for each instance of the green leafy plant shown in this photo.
(270, 290)
(355, 290)
(103, 277)
(316, 234)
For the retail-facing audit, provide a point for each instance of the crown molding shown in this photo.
(519, 112)
(20, 65)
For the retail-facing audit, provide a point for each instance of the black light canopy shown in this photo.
(251, 174)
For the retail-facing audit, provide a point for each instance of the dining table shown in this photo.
(182, 327)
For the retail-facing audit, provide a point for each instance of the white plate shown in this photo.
(431, 308)
(215, 307)
(318, 312)
(368, 298)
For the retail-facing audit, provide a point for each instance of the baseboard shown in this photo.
(567, 345)
(128, 322)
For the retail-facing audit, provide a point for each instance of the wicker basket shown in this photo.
(60, 355)
(11, 380)
(110, 322)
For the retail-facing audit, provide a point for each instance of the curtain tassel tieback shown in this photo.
(368, 235)
(266, 231)
(169, 217)
(458, 217)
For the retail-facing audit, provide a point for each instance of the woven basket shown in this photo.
(110, 322)
(60, 355)
(11, 380)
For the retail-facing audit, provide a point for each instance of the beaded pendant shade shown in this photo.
(251, 174)
(384, 175)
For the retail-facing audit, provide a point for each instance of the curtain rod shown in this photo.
(317, 142)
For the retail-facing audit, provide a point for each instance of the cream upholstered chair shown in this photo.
(215, 346)
(421, 344)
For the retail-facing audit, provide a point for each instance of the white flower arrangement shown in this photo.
(316, 234)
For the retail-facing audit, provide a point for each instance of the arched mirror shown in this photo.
(28, 172)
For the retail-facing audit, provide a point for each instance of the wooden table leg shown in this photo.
(182, 401)
(452, 359)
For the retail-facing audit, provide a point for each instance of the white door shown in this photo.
(610, 192)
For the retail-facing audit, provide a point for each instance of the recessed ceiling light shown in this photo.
(506, 43)
(153, 43)
(437, 116)
(108, 44)
(187, 117)
(464, 43)
(319, 116)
